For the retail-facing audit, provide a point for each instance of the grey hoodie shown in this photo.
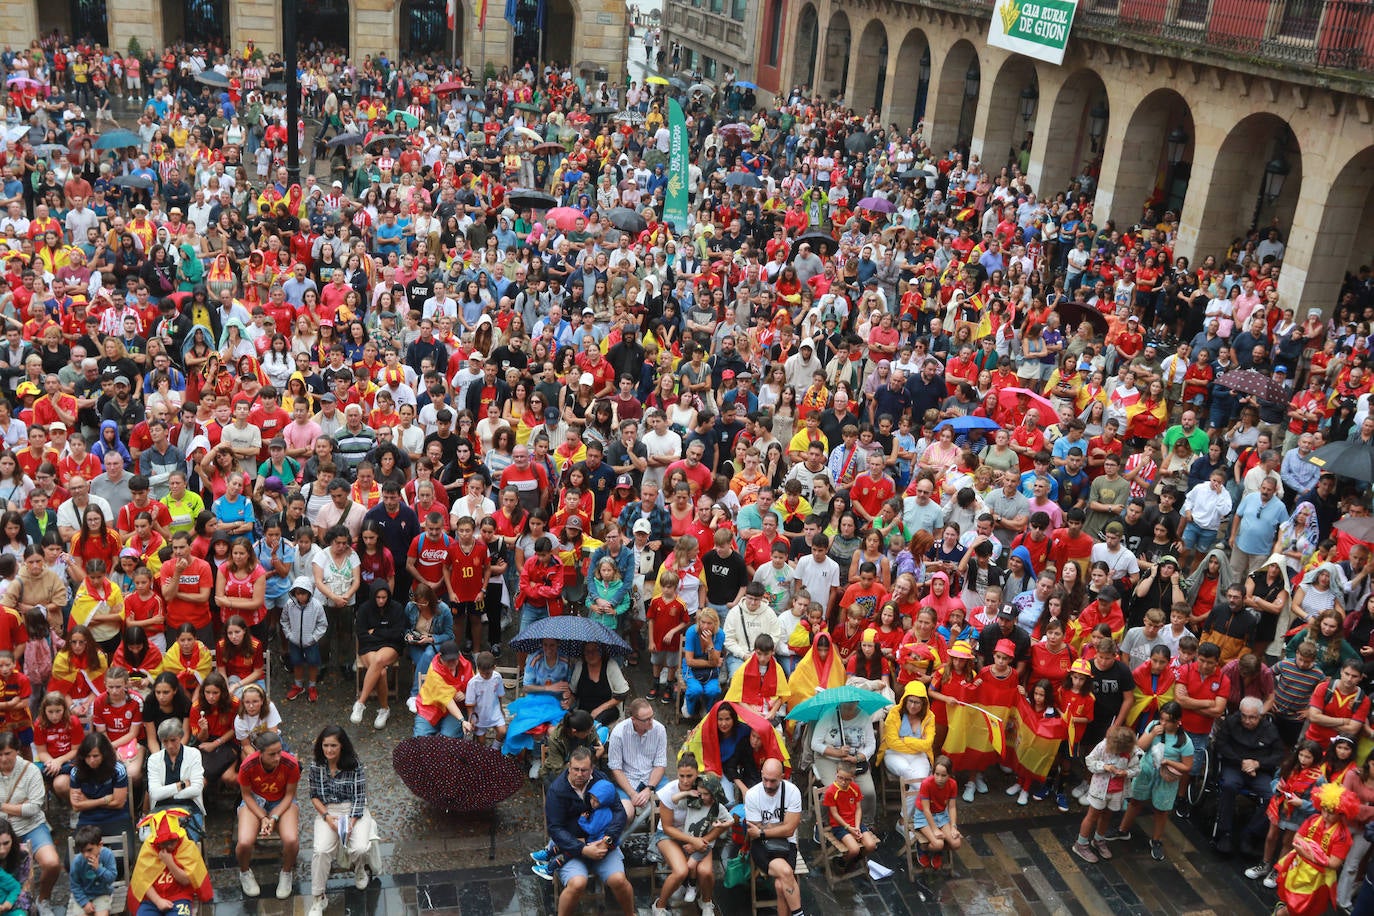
(304, 625)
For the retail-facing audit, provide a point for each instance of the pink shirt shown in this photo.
(299, 435)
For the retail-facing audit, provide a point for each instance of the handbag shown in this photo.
(737, 871)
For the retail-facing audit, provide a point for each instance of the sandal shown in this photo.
(633, 660)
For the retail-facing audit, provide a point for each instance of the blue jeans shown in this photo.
(700, 695)
(420, 658)
(733, 664)
(529, 614)
(613, 864)
(1200, 743)
(448, 727)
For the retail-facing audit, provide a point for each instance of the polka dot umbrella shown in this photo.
(572, 634)
(456, 775)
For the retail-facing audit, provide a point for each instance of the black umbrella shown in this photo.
(212, 78)
(534, 200)
(1349, 458)
(859, 143)
(455, 775)
(352, 139)
(1074, 313)
(1248, 381)
(823, 243)
(743, 180)
(627, 220)
(138, 182)
(276, 86)
(1361, 528)
(384, 140)
(600, 111)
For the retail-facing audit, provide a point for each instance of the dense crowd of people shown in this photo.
(879, 415)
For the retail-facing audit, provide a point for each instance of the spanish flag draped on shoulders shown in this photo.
(1151, 691)
(704, 739)
(759, 688)
(819, 668)
(152, 873)
(1307, 874)
(76, 676)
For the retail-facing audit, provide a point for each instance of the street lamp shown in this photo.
(293, 93)
(1275, 172)
(1029, 96)
(1097, 124)
(922, 89)
(1178, 145)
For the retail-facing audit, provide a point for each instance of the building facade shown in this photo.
(590, 34)
(716, 36)
(1233, 112)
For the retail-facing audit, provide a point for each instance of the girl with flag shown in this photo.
(1298, 778)
(1307, 874)
(1076, 702)
(1038, 733)
(979, 721)
(952, 686)
(1154, 687)
(1168, 755)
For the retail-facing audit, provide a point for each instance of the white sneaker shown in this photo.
(410, 704)
(382, 715)
(981, 784)
(1255, 872)
(360, 877)
(1023, 798)
(708, 909)
(317, 906)
(1013, 789)
(45, 908)
(1080, 790)
(691, 893)
(246, 881)
(1271, 880)
(656, 910)
(284, 885)
(534, 770)
(968, 792)
(356, 716)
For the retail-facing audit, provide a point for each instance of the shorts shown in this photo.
(840, 833)
(307, 656)
(659, 836)
(665, 659)
(918, 819)
(469, 608)
(1111, 802)
(265, 804)
(37, 838)
(762, 857)
(613, 864)
(26, 736)
(101, 904)
(1198, 539)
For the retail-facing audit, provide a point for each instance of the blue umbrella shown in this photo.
(572, 634)
(745, 84)
(825, 701)
(118, 139)
(964, 424)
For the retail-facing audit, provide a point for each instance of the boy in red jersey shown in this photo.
(467, 571)
(428, 556)
(667, 620)
(842, 799)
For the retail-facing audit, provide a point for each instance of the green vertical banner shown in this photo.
(675, 204)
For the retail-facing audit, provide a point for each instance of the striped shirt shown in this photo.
(1293, 687)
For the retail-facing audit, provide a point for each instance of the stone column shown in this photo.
(376, 28)
(599, 36)
(258, 21)
(19, 21)
(141, 19)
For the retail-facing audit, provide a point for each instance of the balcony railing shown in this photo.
(1332, 35)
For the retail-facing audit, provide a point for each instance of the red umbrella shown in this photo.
(564, 218)
(457, 775)
(1047, 415)
(448, 86)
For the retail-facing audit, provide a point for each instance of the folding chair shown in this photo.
(831, 848)
(119, 845)
(393, 675)
(757, 902)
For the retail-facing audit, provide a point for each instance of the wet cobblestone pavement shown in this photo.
(1016, 860)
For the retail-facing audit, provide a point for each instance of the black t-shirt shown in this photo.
(1138, 534)
(1110, 689)
(725, 576)
(417, 291)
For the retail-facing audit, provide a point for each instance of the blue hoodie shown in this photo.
(597, 822)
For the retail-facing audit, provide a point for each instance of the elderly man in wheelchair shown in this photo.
(1248, 751)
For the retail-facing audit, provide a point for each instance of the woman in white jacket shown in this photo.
(176, 777)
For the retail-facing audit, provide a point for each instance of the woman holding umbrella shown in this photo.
(844, 733)
(598, 685)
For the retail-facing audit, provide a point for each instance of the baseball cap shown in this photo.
(624, 480)
(643, 525)
(273, 483)
(121, 380)
(573, 521)
(1006, 612)
(1283, 369)
(586, 379)
(1114, 528)
(550, 413)
(57, 424)
(728, 374)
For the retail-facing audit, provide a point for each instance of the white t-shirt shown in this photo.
(658, 445)
(769, 810)
(684, 816)
(818, 578)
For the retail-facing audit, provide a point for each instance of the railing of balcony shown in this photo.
(1317, 34)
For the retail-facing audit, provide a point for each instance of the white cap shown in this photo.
(643, 525)
(587, 379)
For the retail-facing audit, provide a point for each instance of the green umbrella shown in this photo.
(828, 700)
(526, 106)
(411, 121)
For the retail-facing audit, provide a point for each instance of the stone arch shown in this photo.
(1004, 130)
(196, 21)
(1074, 151)
(951, 113)
(1234, 191)
(1144, 173)
(910, 91)
(869, 62)
(330, 21)
(1341, 241)
(832, 76)
(805, 38)
(424, 28)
